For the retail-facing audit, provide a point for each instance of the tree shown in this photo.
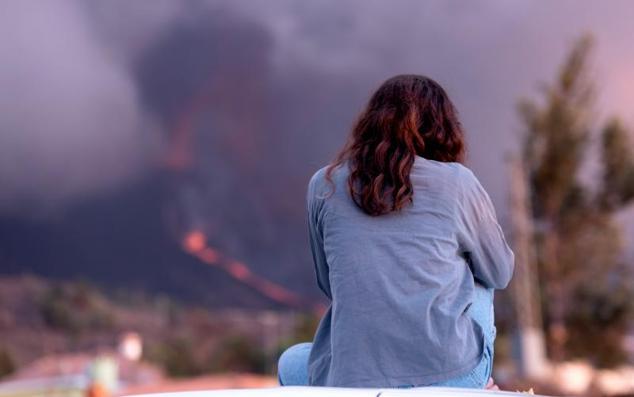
(7, 365)
(618, 166)
(584, 283)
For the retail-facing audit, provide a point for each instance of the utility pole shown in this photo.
(529, 336)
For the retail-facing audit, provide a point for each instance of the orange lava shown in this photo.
(195, 244)
(195, 241)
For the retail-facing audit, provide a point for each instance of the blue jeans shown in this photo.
(292, 366)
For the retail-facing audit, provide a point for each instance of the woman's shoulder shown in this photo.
(446, 166)
(318, 177)
(317, 183)
(468, 186)
(454, 174)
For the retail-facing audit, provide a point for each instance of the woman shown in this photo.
(408, 250)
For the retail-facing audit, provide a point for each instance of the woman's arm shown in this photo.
(314, 208)
(491, 260)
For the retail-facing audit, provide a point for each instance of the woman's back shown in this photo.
(400, 282)
(398, 247)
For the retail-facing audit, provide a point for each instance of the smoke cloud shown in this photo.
(75, 122)
(71, 124)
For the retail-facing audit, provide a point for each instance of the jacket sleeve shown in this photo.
(314, 207)
(481, 238)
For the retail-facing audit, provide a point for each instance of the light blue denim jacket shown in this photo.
(399, 284)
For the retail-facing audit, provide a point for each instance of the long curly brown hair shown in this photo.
(408, 116)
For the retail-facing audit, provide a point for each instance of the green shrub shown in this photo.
(239, 354)
(176, 356)
(75, 308)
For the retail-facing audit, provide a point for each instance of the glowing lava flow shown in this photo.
(195, 243)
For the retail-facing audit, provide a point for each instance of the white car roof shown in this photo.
(307, 391)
